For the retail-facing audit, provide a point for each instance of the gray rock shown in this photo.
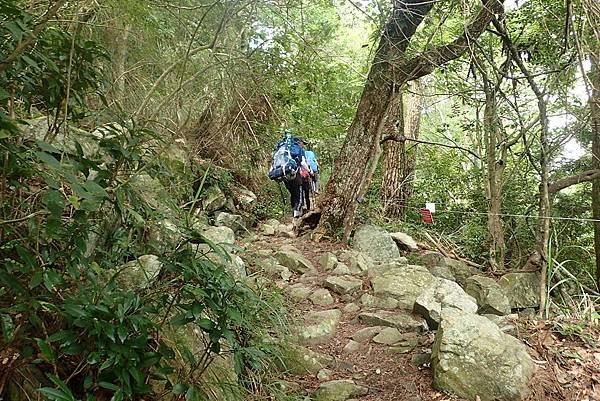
(299, 292)
(351, 347)
(442, 272)
(440, 295)
(388, 336)
(219, 235)
(321, 297)
(339, 390)
(320, 327)
(370, 301)
(351, 308)
(343, 284)
(522, 289)
(404, 322)
(404, 284)
(243, 196)
(384, 268)
(431, 259)
(294, 261)
(489, 295)
(405, 241)
(505, 323)
(267, 230)
(233, 221)
(328, 261)
(460, 270)
(298, 360)
(366, 334)
(214, 199)
(341, 270)
(472, 357)
(356, 260)
(324, 374)
(419, 360)
(139, 273)
(375, 242)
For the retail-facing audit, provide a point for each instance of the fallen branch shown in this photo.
(450, 254)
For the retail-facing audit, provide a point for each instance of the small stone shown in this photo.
(299, 293)
(370, 301)
(343, 284)
(320, 327)
(321, 297)
(388, 336)
(324, 374)
(442, 272)
(341, 270)
(339, 390)
(328, 261)
(268, 230)
(351, 347)
(351, 308)
(405, 241)
(393, 319)
(294, 261)
(421, 359)
(364, 335)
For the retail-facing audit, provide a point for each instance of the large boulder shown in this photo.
(233, 221)
(294, 261)
(339, 390)
(214, 199)
(375, 242)
(404, 283)
(490, 297)
(474, 359)
(439, 295)
(431, 259)
(320, 327)
(522, 289)
(343, 284)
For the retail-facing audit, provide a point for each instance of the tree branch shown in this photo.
(402, 138)
(426, 62)
(563, 183)
(25, 44)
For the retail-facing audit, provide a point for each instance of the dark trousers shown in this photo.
(295, 188)
(306, 188)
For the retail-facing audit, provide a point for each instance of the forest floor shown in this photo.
(566, 353)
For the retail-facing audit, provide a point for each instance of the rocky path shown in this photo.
(365, 321)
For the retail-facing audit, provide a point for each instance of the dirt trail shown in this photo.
(400, 371)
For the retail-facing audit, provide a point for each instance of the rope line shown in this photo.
(527, 216)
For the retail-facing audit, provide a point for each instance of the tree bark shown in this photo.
(594, 77)
(389, 70)
(400, 161)
(495, 157)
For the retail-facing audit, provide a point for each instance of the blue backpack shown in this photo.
(286, 159)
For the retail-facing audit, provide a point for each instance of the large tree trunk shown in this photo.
(495, 158)
(390, 70)
(399, 160)
(595, 118)
(393, 152)
(592, 9)
(353, 164)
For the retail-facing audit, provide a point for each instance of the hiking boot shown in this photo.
(297, 213)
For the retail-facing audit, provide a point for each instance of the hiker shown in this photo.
(311, 158)
(288, 158)
(307, 174)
